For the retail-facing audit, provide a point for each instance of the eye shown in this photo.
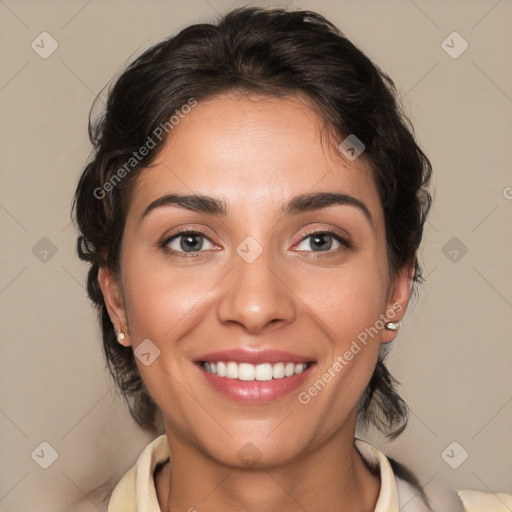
(187, 242)
(322, 241)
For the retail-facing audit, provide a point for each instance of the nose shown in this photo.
(256, 295)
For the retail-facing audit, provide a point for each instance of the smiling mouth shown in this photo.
(254, 372)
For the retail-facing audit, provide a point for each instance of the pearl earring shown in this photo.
(119, 336)
(392, 326)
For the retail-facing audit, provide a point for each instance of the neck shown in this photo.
(334, 473)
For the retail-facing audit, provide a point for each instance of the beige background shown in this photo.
(454, 352)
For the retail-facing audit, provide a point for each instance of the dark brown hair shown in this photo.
(275, 53)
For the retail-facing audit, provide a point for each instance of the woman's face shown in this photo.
(257, 275)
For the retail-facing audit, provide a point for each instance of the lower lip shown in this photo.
(255, 392)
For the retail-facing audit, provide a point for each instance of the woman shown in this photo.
(252, 215)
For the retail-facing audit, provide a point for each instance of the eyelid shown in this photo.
(185, 230)
(338, 233)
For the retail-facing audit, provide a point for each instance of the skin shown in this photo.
(256, 153)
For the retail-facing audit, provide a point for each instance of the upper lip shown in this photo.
(255, 357)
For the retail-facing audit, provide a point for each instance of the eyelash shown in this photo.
(181, 254)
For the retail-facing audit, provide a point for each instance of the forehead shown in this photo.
(252, 148)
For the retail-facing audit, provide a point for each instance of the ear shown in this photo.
(398, 299)
(111, 289)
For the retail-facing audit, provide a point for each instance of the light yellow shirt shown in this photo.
(136, 491)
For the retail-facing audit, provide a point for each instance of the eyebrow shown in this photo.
(299, 204)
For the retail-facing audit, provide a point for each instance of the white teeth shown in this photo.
(299, 368)
(251, 372)
(246, 371)
(264, 371)
(289, 369)
(278, 371)
(221, 369)
(232, 371)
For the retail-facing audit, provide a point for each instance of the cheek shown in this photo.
(163, 306)
(160, 300)
(348, 303)
(349, 300)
